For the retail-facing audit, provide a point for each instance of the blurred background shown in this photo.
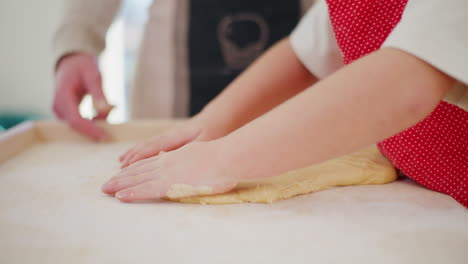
(200, 46)
(26, 66)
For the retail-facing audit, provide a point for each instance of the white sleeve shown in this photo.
(314, 43)
(437, 32)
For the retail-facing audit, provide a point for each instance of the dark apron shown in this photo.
(226, 36)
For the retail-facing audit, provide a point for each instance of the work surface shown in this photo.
(52, 211)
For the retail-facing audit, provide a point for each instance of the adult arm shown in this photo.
(78, 41)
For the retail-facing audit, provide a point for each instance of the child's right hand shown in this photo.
(191, 130)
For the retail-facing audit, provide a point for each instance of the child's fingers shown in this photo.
(116, 184)
(143, 166)
(157, 189)
(124, 156)
(146, 191)
(135, 149)
(223, 187)
(128, 152)
(127, 156)
(130, 158)
(125, 162)
(136, 155)
(152, 147)
(141, 155)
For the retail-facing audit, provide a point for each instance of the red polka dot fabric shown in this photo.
(361, 26)
(434, 152)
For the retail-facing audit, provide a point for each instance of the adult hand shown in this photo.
(76, 76)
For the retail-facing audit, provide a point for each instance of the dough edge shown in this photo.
(365, 167)
(177, 191)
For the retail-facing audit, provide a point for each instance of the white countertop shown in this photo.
(52, 211)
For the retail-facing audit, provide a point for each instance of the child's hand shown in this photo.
(195, 169)
(191, 130)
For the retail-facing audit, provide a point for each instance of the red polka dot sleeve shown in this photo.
(435, 151)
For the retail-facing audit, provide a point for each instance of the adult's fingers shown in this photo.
(72, 115)
(93, 82)
(88, 128)
(74, 76)
(102, 108)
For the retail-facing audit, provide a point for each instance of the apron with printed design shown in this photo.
(192, 49)
(434, 152)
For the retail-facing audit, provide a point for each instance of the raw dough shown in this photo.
(361, 168)
(184, 190)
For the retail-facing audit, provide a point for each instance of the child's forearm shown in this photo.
(273, 78)
(359, 105)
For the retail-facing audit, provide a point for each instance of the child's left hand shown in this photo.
(196, 168)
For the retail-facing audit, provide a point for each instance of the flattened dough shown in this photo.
(183, 190)
(365, 167)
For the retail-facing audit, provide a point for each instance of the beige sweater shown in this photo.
(84, 26)
(161, 83)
